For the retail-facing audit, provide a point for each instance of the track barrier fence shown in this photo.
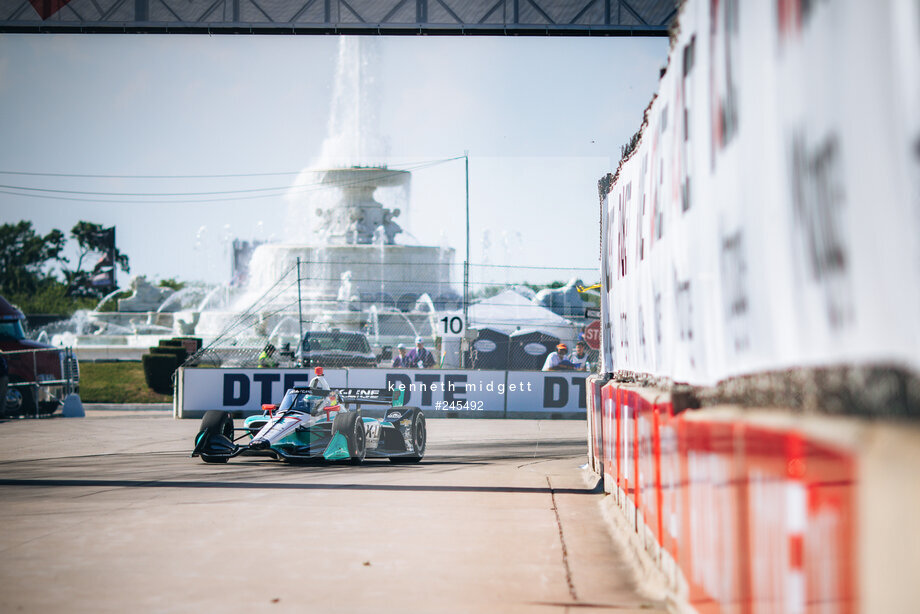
(739, 517)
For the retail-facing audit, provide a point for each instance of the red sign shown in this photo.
(593, 335)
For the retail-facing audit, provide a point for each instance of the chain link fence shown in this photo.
(374, 312)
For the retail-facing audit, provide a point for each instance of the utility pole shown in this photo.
(466, 263)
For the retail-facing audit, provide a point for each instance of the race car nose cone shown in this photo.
(260, 444)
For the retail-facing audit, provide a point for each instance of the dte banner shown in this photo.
(435, 391)
(243, 390)
(548, 392)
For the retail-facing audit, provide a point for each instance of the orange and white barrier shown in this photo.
(748, 518)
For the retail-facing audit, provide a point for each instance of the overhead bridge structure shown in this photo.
(386, 17)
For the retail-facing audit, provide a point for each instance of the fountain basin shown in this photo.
(399, 271)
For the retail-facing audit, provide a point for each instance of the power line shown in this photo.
(320, 184)
(138, 202)
(93, 176)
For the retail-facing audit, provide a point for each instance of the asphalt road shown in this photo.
(109, 514)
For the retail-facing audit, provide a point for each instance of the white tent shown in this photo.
(508, 312)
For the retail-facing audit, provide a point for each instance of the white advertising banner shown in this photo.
(769, 217)
(435, 391)
(550, 393)
(244, 390)
(606, 356)
(438, 390)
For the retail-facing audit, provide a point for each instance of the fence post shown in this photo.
(299, 309)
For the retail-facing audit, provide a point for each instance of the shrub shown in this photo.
(178, 351)
(158, 371)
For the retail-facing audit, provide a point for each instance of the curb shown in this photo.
(127, 406)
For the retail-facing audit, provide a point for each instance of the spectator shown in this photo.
(401, 360)
(267, 357)
(579, 358)
(557, 361)
(420, 357)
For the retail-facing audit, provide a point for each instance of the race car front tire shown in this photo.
(351, 426)
(216, 422)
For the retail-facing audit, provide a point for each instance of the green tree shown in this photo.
(25, 255)
(50, 298)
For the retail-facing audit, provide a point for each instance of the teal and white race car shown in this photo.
(320, 423)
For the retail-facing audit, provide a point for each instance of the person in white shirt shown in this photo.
(557, 360)
(579, 358)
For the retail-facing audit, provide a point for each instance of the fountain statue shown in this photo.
(357, 236)
(357, 216)
(354, 276)
(145, 296)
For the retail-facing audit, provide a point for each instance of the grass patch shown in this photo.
(116, 382)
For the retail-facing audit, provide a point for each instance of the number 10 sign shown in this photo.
(451, 324)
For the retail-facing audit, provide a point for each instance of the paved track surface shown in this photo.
(109, 514)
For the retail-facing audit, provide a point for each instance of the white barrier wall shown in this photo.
(243, 390)
(770, 216)
(435, 391)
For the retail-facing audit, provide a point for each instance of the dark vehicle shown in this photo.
(335, 348)
(319, 423)
(40, 375)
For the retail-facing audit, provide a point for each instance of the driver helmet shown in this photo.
(318, 403)
(319, 383)
(310, 403)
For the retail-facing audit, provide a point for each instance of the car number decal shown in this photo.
(373, 435)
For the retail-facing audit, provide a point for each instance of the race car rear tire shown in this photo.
(216, 422)
(419, 432)
(351, 425)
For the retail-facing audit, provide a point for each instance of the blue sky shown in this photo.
(542, 119)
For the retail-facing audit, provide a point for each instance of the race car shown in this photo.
(320, 423)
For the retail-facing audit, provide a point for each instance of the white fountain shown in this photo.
(354, 275)
(357, 277)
